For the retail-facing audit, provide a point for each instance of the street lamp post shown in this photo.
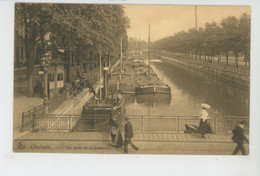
(100, 75)
(106, 69)
(121, 54)
(45, 62)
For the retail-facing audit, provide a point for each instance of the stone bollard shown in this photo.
(46, 105)
(67, 90)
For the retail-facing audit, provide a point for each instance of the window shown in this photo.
(22, 53)
(51, 77)
(60, 77)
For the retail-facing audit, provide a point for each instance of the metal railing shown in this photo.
(63, 122)
(43, 109)
(141, 123)
(29, 117)
(55, 122)
(176, 124)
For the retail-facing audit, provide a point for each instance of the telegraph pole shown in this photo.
(149, 45)
(196, 25)
(121, 54)
(100, 75)
(139, 50)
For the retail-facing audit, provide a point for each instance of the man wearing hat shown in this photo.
(239, 138)
(128, 135)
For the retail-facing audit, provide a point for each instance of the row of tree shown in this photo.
(82, 30)
(135, 44)
(231, 36)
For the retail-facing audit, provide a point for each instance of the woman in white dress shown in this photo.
(204, 126)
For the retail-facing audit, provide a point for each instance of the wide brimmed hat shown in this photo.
(204, 105)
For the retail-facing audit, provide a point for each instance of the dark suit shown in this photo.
(128, 136)
(239, 138)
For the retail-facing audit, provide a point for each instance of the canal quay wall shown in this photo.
(230, 74)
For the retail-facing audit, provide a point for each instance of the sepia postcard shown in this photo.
(131, 79)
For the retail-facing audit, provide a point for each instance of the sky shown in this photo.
(166, 20)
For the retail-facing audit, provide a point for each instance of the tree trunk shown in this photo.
(85, 67)
(30, 56)
(90, 60)
(245, 59)
(226, 58)
(96, 60)
(72, 58)
(236, 60)
(42, 47)
(218, 58)
(67, 60)
(30, 82)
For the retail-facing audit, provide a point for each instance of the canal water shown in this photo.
(189, 89)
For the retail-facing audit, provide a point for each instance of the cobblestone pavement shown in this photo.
(99, 142)
(22, 104)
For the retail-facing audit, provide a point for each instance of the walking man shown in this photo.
(239, 138)
(128, 135)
